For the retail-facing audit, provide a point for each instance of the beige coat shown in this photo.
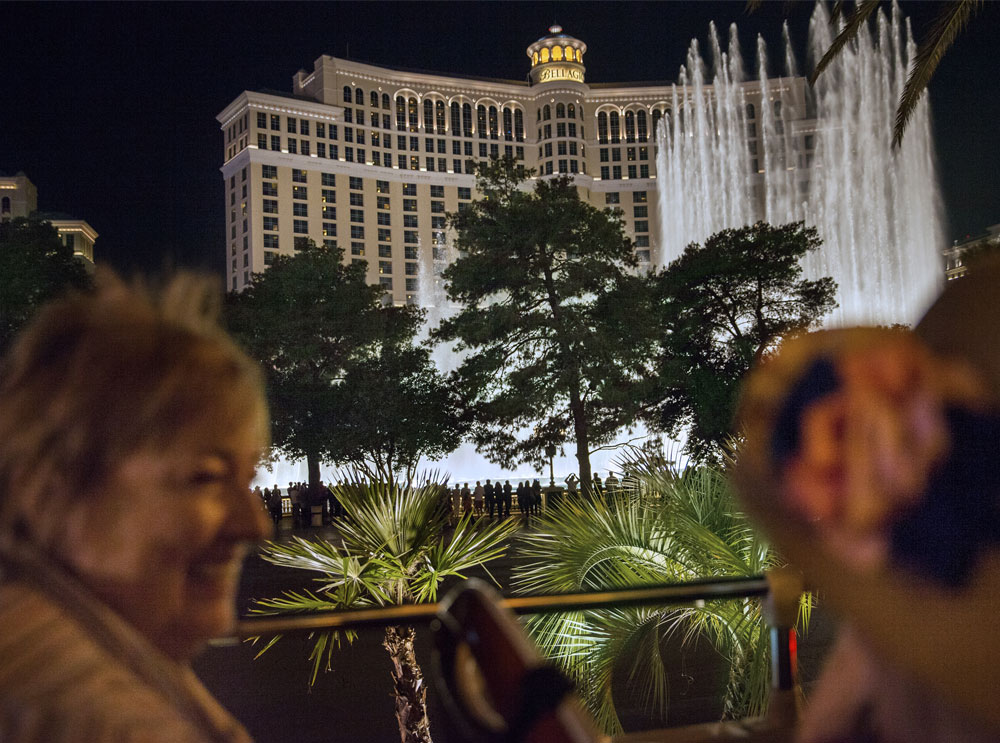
(73, 670)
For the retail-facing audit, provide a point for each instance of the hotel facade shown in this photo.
(372, 159)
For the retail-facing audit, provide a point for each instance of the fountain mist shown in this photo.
(735, 152)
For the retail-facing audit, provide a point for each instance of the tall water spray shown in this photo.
(734, 152)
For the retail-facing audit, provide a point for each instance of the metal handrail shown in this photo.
(669, 593)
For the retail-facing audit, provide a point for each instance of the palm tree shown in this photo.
(394, 551)
(666, 526)
(945, 27)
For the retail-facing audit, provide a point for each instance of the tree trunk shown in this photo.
(312, 465)
(582, 436)
(408, 684)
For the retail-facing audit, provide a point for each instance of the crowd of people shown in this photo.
(131, 427)
(494, 499)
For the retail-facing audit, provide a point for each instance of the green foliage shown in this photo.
(719, 307)
(547, 316)
(345, 382)
(35, 266)
(395, 408)
(394, 551)
(666, 527)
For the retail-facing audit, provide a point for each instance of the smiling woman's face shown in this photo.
(163, 540)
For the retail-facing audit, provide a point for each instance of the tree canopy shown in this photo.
(332, 349)
(547, 298)
(35, 266)
(396, 408)
(720, 306)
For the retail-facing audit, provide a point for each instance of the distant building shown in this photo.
(955, 255)
(19, 198)
(371, 158)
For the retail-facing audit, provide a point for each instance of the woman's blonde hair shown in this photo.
(98, 376)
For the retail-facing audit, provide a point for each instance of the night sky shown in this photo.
(110, 108)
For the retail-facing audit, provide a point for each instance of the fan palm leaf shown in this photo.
(665, 526)
(395, 549)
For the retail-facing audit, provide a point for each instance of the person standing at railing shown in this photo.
(130, 431)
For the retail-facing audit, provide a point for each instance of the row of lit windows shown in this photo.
(614, 172)
(636, 126)
(631, 153)
(557, 54)
(562, 130)
(563, 111)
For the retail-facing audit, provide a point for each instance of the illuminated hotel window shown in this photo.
(579, 56)
(382, 186)
(270, 223)
(329, 212)
(357, 248)
(439, 116)
(384, 251)
(557, 54)
(568, 53)
(640, 120)
(428, 115)
(602, 128)
(385, 101)
(413, 114)
(400, 113)
(630, 126)
(545, 54)
(269, 189)
(534, 59)
(571, 112)
(410, 220)
(270, 206)
(639, 197)
(262, 141)
(615, 127)
(275, 123)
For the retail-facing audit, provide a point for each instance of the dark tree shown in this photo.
(308, 320)
(395, 408)
(546, 295)
(35, 266)
(720, 306)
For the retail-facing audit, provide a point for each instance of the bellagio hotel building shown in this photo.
(372, 159)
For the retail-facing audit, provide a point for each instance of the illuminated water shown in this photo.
(878, 211)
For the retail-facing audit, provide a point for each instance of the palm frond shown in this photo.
(668, 525)
(847, 34)
(946, 26)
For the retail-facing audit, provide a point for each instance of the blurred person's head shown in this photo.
(130, 429)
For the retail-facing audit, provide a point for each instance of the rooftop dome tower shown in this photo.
(557, 57)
